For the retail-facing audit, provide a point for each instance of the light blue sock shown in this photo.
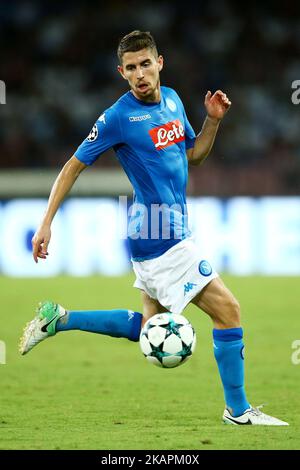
(117, 323)
(229, 354)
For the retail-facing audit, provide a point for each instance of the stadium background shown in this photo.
(58, 62)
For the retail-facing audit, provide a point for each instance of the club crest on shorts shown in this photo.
(205, 268)
(93, 134)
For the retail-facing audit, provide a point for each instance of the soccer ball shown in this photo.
(167, 340)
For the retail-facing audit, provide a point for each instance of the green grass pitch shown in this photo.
(85, 391)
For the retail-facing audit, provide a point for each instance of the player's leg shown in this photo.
(52, 318)
(218, 302)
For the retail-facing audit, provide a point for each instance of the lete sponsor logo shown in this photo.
(166, 135)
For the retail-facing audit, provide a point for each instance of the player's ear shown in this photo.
(160, 61)
(121, 71)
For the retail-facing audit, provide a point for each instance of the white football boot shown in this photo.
(252, 416)
(42, 326)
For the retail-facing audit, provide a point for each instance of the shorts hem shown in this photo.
(195, 292)
(139, 286)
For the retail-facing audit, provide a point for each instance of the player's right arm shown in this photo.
(60, 189)
(105, 133)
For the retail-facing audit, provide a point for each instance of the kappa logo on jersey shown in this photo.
(166, 135)
(93, 134)
(139, 118)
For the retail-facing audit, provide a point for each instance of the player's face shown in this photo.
(141, 70)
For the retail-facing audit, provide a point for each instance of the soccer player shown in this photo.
(152, 138)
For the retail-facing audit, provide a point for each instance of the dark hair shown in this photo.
(135, 41)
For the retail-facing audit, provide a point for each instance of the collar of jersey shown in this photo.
(143, 103)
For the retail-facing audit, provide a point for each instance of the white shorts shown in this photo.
(175, 277)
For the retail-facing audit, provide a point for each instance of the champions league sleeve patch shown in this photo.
(93, 134)
(205, 268)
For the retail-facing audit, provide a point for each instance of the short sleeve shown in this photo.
(105, 133)
(190, 135)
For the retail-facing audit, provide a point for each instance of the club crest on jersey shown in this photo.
(93, 134)
(171, 104)
(166, 135)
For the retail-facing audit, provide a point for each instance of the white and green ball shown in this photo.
(167, 340)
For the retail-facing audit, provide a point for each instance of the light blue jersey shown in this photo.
(150, 141)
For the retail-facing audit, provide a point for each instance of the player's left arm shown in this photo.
(217, 106)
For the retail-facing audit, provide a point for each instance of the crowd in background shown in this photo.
(58, 60)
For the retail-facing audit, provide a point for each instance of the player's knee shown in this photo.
(227, 314)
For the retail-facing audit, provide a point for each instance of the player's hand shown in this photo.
(217, 104)
(40, 242)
